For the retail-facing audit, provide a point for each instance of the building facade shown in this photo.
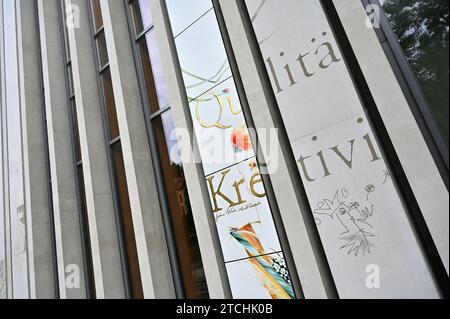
(224, 149)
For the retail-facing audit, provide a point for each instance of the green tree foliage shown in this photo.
(422, 29)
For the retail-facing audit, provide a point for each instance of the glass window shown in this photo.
(155, 81)
(83, 198)
(202, 56)
(184, 13)
(142, 17)
(180, 209)
(66, 38)
(75, 130)
(70, 79)
(255, 262)
(102, 49)
(110, 104)
(97, 14)
(422, 30)
(127, 221)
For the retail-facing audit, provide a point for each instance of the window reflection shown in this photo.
(75, 131)
(422, 30)
(85, 222)
(156, 88)
(127, 221)
(202, 56)
(97, 14)
(66, 36)
(142, 17)
(184, 13)
(110, 104)
(70, 79)
(102, 50)
(180, 209)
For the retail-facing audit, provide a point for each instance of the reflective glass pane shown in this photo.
(181, 215)
(184, 13)
(110, 104)
(97, 14)
(127, 221)
(102, 50)
(65, 33)
(84, 207)
(70, 79)
(155, 81)
(422, 30)
(202, 55)
(75, 130)
(142, 17)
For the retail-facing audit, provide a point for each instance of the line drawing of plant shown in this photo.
(353, 218)
(386, 175)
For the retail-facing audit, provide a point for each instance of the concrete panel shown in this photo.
(108, 271)
(147, 221)
(42, 279)
(65, 206)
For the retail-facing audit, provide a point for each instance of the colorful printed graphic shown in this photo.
(271, 272)
(240, 138)
(220, 128)
(238, 198)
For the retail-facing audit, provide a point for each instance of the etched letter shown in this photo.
(305, 171)
(348, 162)
(256, 179)
(331, 54)
(218, 192)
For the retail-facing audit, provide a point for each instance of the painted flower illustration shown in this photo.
(240, 138)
